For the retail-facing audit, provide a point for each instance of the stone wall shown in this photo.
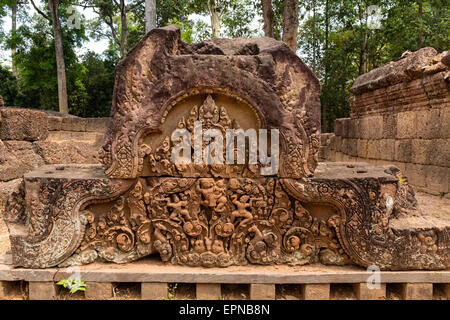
(400, 114)
(32, 138)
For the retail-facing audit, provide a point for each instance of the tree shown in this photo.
(268, 17)
(59, 50)
(290, 24)
(115, 15)
(150, 15)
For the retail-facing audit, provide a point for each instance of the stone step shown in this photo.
(157, 281)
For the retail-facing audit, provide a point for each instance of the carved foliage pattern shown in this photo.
(209, 222)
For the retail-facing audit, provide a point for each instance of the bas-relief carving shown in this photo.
(219, 215)
(209, 222)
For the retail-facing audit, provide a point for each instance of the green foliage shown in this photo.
(8, 89)
(171, 291)
(73, 285)
(352, 48)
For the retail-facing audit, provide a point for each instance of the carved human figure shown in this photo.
(206, 188)
(179, 208)
(217, 246)
(242, 204)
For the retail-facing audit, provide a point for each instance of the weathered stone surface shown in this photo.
(428, 123)
(154, 291)
(66, 152)
(54, 123)
(40, 290)
(406, 125)
(208, 291)
(316, 291)
(98, 290)
(405, 69)
(22, 124)
(17, 158)
(437, 179)
(403, 150)
(363, 292)
(416, 174)
(73, 124)
(387, 149)
(96, 124)
(262, 291)
(417, 291)
(270, 82)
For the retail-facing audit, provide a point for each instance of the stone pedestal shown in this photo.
(154, 291)
(98, 290)
(262, 291)
(41, 290)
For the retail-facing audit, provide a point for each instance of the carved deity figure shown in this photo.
(242, 204)
(179, 208)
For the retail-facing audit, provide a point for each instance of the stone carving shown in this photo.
(218, 215)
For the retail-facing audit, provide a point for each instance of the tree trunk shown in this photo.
(13, 32)
(363, 52)
(60, 65)
(124, 28)
(150, 15)
(314, 36)
(215, 18)
(324, 103)
(268, 18)
(290, 23)
(419, 36)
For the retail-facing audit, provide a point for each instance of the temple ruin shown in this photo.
(139, 203)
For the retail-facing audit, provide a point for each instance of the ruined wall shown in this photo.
(31, 138)
(400, 114)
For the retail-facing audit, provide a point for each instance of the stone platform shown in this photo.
(313, 281)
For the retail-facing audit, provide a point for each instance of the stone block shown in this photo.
(4, 290)
(73, 124)
(437, 179)
(338, 127)
(98, 290)
(23, 124)
(352, 128)
(97, 124)
(345, 127)
(415, 174)
(438, 153)
(262, 291)
(389, 126)
(406, 125)
(363, 292)
(41, 290)
(352, 147)
(447, 290)
(373, 149)
(54, 123)
(387, 149)
(420, 151)
(154, 291)
(362, 148)
(67, 152)
(445, 123)
(403, 150)
(208, 291)
(374, 127)
(316, 291)
(417, 291)
(332, 145)
(428, 124)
